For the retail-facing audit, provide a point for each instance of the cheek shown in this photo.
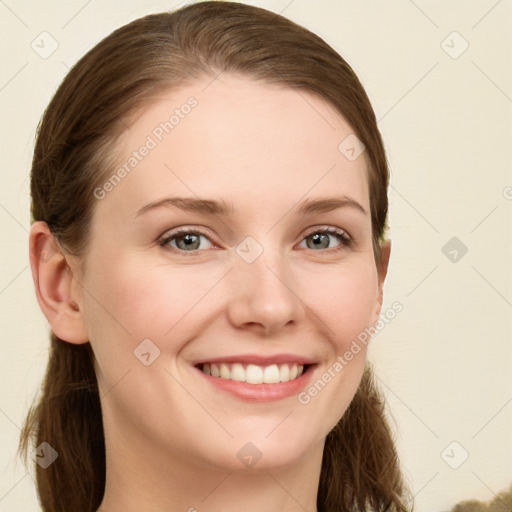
(344, 299)
(133, 299)
(345, 302)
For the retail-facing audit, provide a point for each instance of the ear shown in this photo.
(382, 270)
(58, 299)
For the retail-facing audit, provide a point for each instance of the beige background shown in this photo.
(445, 361)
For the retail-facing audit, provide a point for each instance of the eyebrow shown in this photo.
(225, 209)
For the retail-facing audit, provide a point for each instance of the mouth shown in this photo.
(257, 382)
(253, 373)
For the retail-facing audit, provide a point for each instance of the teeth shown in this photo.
(254, 374)
(224, 372)
(284, 373)
(237, 372)
(215, 370)
(271, 374)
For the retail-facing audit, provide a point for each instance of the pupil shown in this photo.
(319, 239)
(187, 240)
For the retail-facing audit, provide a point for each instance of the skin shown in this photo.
(172, 438)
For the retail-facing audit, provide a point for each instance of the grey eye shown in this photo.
(187, 241)
(321, 239)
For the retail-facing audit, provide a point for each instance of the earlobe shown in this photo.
(53, 278)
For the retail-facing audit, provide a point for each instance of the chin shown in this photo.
(279, 451)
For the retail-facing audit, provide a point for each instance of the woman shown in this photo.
(209, 201)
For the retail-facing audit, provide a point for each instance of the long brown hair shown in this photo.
(73, 156)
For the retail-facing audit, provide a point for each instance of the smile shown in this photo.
(257, 378)
(254, 374)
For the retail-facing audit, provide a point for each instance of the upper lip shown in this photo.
(258, 359)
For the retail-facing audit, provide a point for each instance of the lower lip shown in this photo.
(261, 392)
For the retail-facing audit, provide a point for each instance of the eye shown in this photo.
(185, 240)
(321, 238)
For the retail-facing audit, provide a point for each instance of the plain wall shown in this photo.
(445, 361)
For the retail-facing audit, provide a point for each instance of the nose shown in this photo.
(262, 295)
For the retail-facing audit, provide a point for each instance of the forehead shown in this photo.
(247, 142)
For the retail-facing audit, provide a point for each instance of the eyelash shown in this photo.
(346, 241)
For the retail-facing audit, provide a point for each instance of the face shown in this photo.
(264, 288)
